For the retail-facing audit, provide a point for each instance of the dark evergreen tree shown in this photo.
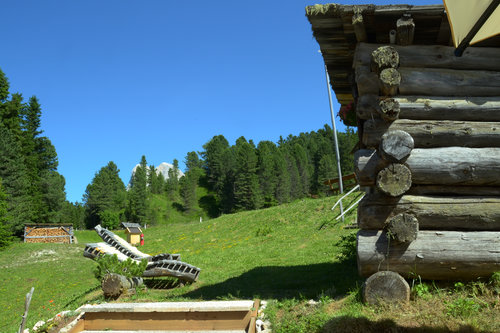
(138, 194)
(303, 168)
(5, 232)
(246, 184)
(266, 171)
(106, 193)
(283, 186)
(15, 181)
(172, 183)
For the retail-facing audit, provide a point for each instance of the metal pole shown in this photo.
(341, 186)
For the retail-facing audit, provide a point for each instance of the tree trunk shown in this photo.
(440, 255)
(435, 56)
(448, 82)
(437, 166)
(436, 133)
(436, 213)
(403, 228)
(431, 108)
(113, 285)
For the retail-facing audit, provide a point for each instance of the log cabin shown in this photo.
(429, 131)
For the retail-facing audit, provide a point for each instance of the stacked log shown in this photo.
(48, 234)
(430, 159)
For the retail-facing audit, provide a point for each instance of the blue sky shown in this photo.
(118, 79)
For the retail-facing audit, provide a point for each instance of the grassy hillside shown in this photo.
(287, 254)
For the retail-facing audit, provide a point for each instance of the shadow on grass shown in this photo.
(282, 282)
(348, 324)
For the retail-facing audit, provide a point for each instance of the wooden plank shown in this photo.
(457, 166)
(440, 255)
(436, 133)
(433, 212)
(173, 320)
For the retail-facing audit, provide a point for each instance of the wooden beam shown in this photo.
(436, 133)
(432, 212)
(394, 180)
(434, 56)
(439, 255)
(458, 166)
(431, 108)
(448, 82)
(384, 57)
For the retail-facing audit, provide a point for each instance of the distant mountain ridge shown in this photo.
(160, 169)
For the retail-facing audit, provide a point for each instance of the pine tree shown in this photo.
(106, 192)
(246, 184)
(5, 232)
(283, 187)
(15, 181)
(138, 194)
(268, 181)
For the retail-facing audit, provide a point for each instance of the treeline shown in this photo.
(238, 177)
(31, 189)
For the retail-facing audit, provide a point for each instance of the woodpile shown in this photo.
(429, 125)
(48, 233)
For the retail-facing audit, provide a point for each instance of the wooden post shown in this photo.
(390, 80)
(26, 309)
(358, 25)
(405, 30)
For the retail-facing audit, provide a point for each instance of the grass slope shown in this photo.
(287, 254)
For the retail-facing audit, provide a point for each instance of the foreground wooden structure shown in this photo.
(217, 316)
(429, 130)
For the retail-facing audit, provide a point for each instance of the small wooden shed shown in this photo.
(48, 233)
(133, 232)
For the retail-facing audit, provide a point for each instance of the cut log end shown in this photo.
(403, 228)
(390, 79)
(394, 180)
(384, 57)
(396, 146)
(113, 285)
(386, 287)
(389, 109)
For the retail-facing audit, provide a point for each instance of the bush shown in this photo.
(110, 219)
(110, 264)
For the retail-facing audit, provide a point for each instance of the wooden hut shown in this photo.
(133, 232)
(48, 233)
(429, 130)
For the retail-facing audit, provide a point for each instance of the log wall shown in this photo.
(429, 124)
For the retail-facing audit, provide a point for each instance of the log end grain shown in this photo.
(394, 180)
(386, 287)
(396, 146)
(384, 57)
(390, 79)
(403, 228)
(389, 109)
